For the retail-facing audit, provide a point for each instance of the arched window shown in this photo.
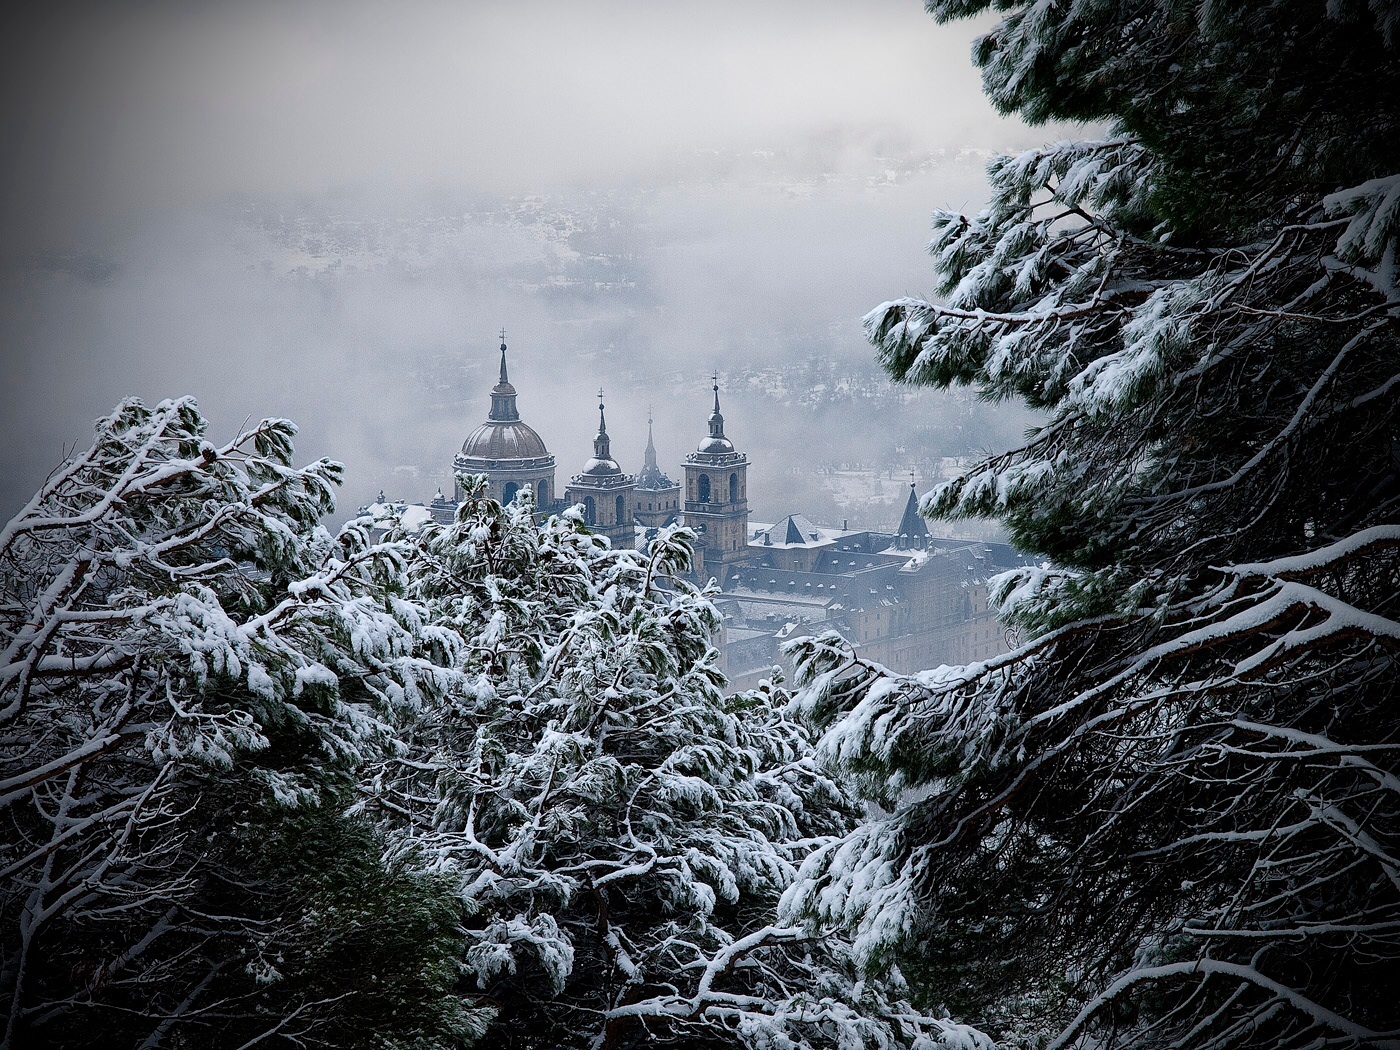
(703, 485)
(542, 496)
(590, 510)
(733, 488)
(621, 516)
(509, 492)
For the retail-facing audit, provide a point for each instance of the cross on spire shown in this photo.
(716, 420)
(601, 446)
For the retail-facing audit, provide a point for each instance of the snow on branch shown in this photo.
(171, 611)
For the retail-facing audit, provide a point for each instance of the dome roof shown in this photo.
(713, 445)
(597, 467)
(601, 465)
(716, 444)
(497, 439)
(503, 436)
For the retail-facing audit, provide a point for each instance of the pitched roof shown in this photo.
(912, 531)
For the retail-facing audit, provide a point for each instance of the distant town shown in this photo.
(903, 598)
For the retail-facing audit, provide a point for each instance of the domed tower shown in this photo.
(507, 451)
(717, 501)
(658, 497)
(609, 496)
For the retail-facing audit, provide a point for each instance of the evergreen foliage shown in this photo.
(620, 831)
(1170, 818)
(193, 670)
(262, 785)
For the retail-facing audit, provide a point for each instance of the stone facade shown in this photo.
(906, 609)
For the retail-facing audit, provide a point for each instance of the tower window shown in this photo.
(621, 515)
(543, 498)
(733, 488)
(590, 511)
(508, 494)
(703, 487)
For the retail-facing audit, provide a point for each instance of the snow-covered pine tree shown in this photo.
(192, 669)
(1171, 818)
(620, 830)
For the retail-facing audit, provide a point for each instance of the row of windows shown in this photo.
(512, 489)
(703, 486)
(590, 510)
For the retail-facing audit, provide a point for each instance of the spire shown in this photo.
(649, 457)
(601, 444)
(716, 420)
(651, 478)
(716, 444)
(503, 408)
(912, 530)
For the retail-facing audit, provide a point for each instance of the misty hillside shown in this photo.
(372, 320)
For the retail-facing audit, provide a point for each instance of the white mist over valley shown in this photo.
(372, 320)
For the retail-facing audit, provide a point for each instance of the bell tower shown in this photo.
(717, 501)
(607, 495)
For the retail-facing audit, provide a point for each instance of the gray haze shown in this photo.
(325, 211)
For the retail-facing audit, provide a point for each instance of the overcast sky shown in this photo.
(124, 105)
(122, 120)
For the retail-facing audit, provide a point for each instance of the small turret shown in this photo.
(913, 532)
(658, 497)
(602, 462)
(608, 496)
